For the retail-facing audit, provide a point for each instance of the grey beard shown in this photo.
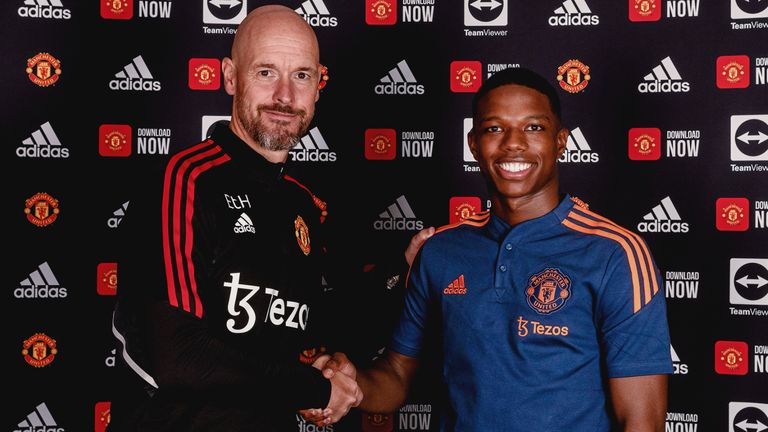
(273, 141)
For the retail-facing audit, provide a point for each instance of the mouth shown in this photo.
(514, 169)
(279, 116)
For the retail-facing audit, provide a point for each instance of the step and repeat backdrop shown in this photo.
(666, 101)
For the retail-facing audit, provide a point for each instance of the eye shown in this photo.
(492, 129)
(534, 127)
(303, 76)
(265, 73)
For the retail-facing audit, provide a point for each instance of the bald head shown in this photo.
(273, 24)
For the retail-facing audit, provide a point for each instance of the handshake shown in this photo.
(390, 377)
(345, 393)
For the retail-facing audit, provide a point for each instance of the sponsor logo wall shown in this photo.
(666, 140)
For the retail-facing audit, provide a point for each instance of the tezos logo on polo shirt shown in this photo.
(548, 291)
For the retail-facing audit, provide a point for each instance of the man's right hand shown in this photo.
(345, 394)
(415, 244)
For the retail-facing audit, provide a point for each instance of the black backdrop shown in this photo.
(669, 139)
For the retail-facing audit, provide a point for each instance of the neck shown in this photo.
(274, 156)
(520, 209)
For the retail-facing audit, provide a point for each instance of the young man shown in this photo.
(552, 316)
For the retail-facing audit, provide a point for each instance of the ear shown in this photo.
(472, 143)
(230, 75)
(562, 140)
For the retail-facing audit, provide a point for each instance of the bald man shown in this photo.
(230, 275)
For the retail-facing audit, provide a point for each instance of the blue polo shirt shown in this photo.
(535, 318)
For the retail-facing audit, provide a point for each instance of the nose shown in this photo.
(515, 140)
(284, 91)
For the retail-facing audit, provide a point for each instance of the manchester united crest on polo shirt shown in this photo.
(302, 234)
(548, 291)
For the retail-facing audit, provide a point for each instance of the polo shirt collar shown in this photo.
(500, 229)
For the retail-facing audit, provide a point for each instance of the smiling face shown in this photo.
(273, 75)
(517, 140)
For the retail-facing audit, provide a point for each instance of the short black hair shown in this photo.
(520, 76)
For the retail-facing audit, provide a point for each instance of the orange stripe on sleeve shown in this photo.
(608, 226)
(627, 249)
(643, 246)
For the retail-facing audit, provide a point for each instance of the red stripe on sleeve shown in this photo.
(166, 215)
(188, 226)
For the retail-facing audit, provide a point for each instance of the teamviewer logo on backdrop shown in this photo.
(399, 81)
(207, 124)
(749, 9)
(747, 416)
(485, 12)
(749, 137)
(224, 11)
(749, 281)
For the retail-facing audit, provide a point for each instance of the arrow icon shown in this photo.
(746, 281)
(760, 137)
(757, 425)
(230, 3)
(480, 4)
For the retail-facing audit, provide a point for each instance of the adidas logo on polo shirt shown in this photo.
(577, 149)
(39, 420)
(398, 217)
(573, 13)
(312, 148)
(663, 218)
(244, 224)
(456, 287)
(316, 14)
(399, 81)
(664, 78)
(44, 9)
(43, 143)
(41, 283)
(135, 76)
